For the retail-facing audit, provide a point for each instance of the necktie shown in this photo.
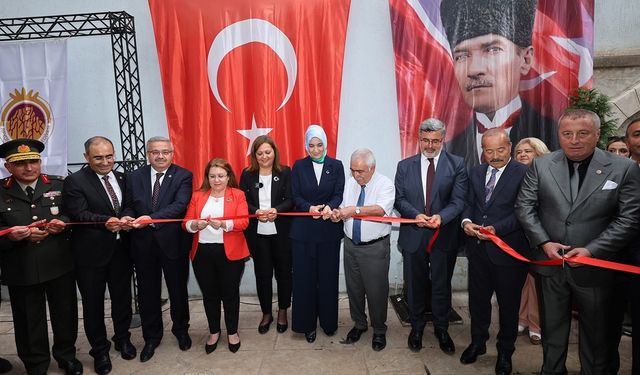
(112, 194)
(357, 223)
(29, 191)
(156, 191)
(431, 172)
(491, 184)
(574, 182)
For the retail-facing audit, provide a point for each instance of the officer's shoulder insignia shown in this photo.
(7, 182)
(47, 178)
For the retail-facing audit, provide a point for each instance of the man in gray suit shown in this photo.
(578, 201)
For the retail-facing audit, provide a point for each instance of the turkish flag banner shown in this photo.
(233, 70)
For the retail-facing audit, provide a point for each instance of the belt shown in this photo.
(372, 241)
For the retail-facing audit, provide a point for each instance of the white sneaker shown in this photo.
(521, 329)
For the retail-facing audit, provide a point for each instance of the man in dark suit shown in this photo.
(161, 190)
(578, 201)
(37, 263)
(493, 188)
(430, 187)
(491, 49)
(101, 251)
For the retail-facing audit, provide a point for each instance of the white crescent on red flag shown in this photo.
(236, 69)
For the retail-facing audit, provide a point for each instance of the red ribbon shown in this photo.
(379, 219)
(587, 261)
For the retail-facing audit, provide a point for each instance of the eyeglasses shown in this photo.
(433, 142)
(158, 153)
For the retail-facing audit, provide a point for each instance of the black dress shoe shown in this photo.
(264, 328)
(184, 341)
(5, 366)
(126, 349)
(234, 347)
(415, 340)
(446, 344)
(503, 364)
(471, 353)
(282, 328)
(329, 333)
(72, 367)
(210, 348)
(310, 336)
(102, 364)
(148, 351)
(379, 342)
(354, 335)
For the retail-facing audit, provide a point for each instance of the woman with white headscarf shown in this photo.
(317, 184)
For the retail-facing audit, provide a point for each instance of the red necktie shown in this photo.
(431, 172)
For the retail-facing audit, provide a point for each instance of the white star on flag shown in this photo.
(253, 133)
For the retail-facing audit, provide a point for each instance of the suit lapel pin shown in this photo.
(170, 176)
(257, 185)
(229, 199)
(327, 172)
(276, 178)
(598, 172)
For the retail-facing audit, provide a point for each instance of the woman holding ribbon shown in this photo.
(267, 186)
(317, 184)
(525, 151)
(219, 249)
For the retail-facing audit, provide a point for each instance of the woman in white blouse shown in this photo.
(219, 249)
(267, 187)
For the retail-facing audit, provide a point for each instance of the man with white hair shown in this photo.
(366, 246)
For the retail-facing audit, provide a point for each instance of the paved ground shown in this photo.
(289, 353)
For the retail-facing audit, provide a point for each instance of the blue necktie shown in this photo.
(491, 184)
(357, 223)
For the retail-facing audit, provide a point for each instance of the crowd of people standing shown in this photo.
(533, 199)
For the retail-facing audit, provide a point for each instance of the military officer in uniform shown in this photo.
(37, 262)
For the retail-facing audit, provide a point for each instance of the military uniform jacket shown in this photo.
(28, 263)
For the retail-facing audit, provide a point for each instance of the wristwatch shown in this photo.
(358, 211)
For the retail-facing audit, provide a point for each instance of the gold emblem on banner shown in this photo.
(26, 115)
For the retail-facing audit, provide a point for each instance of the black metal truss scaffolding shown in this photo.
(120, 26)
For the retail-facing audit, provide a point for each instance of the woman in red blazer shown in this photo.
(219, 249)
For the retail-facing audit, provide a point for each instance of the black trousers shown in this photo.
(485, 278)
(29, 308)
(626, 295)
(92, 282)
(593, 305)
(150, 264)
(419, 268)
(272, 255)
(315, 285)
(219, 280)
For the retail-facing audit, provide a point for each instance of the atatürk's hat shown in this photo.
(21, 149)
(466, 19)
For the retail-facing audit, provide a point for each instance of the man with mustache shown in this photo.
(161, 190)
(493, 189)
(491, 49)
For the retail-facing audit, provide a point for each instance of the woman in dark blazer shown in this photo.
(267, 186)
(219, 249)
(317, 184)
